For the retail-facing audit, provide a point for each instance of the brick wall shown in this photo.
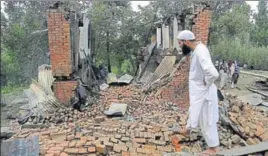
(60, 55)
(177, 90)
(201, 24)
(64, 90)
(59, 43)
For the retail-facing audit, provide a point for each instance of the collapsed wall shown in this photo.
(176, 89)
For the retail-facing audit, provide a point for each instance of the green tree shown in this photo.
(234, 24)
(260, 29)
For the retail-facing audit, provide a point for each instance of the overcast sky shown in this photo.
(253, 4)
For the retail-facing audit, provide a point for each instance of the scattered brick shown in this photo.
(91, 149)
(71, 150)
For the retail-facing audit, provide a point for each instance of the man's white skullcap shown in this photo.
(186, 35)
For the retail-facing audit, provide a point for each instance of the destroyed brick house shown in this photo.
(155, 103)
(70, 45)
(162, 65)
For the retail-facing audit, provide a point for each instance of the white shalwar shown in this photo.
(203, 110)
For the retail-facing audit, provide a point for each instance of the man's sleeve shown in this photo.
(210, 72)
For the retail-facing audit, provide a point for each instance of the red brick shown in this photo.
(71, 150)
(91, 149)
(63, 154)
(139, 140)
(82, 150)
(53, 152)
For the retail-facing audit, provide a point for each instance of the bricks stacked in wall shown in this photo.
(64, 90)
(201, 26)
(59, 43)
(176, 91)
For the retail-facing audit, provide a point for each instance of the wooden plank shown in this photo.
(263, 146)
(253, 74)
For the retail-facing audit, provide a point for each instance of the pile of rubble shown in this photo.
(250, 124)
(145, 129)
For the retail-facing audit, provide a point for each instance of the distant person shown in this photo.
(223, 75)
(235, 75)
(245, 66)
(230, 71)
(217, 64)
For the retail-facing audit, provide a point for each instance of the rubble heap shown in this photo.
(145, 129)
(249, 124)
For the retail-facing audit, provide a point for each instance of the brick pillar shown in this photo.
(201, 24)
(60, 55)
(64, 90)
(59, 44)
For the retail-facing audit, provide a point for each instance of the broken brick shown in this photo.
(139, 140)
(71, 150)
(82, 150)
(91, 149)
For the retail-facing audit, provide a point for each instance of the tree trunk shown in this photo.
(108, 52)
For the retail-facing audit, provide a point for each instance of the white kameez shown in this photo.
(203, 109)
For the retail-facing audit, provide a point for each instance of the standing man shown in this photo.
(203, 110)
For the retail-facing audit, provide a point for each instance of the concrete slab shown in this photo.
(263, 146)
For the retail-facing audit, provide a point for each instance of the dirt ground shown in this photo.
(245, 81)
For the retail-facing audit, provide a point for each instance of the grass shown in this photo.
(13, 88)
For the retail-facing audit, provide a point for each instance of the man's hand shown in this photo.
(204, 82)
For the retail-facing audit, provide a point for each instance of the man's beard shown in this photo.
(185, 50)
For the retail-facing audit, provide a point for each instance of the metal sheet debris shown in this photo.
(104, 86)
(21, 147)
(125, 79)
(111, 78)
(116, 108)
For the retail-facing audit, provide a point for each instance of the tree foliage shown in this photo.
(235, 36)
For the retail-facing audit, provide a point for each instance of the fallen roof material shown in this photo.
(259, 92)
(263, 146)
(125, 79)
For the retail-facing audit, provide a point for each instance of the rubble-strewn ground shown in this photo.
(144, 130)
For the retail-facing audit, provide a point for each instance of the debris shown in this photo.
(116, 109)
(252, 99)
(6, 133)
(28, 125)
(259, 92)
(26, 146)
(103, 86)
(125, 79)
(245, 150)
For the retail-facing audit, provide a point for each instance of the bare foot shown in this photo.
(210, 151)
(184, 132)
